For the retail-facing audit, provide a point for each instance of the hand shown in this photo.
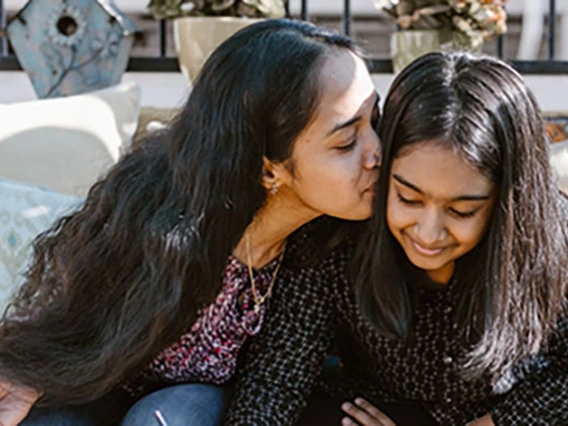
(365, 414)
(15, 402)
(483, 421)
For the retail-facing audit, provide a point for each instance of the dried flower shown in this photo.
(243, 8)
(468, 16)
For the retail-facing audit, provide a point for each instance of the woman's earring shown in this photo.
(274, 190)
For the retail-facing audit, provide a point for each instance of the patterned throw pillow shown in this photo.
(25, 211)
(66, 144)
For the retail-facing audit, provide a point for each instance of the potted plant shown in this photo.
(201, 25)
(433, 25)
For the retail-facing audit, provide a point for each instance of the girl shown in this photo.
(457, 315)
(465, 271)
(159, 279)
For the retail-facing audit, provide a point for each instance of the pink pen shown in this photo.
(160, 418)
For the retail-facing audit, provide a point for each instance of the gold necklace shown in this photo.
(259, 300)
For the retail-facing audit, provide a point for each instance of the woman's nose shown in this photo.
(373, 157)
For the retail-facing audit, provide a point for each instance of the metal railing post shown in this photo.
(3, 36)
(347, 19)
(163, 37)
(551, 29)
(304, 11)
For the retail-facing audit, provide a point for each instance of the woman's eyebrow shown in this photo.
(353, 120)
(340, 126)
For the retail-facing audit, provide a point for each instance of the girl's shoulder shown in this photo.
(323, 240)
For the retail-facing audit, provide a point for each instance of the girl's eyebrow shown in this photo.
(404, 182)
(473, 197)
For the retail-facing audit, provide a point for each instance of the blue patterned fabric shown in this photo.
(25, 211)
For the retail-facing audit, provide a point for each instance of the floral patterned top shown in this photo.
(208, 352)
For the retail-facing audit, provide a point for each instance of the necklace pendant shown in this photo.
(256, 308)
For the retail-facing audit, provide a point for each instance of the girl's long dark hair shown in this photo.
(124, 276)
(512, 286)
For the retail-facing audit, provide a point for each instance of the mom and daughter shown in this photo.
(208, 275)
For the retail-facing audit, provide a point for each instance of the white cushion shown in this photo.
(65, 144)
(25, 211)
(559, 161)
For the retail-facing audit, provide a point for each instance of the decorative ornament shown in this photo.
(71, 46)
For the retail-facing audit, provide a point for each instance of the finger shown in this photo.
(374, 411)
(360, 415)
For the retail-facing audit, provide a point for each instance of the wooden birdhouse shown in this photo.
(71, 46)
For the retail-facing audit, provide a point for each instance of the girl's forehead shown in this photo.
(438, 171)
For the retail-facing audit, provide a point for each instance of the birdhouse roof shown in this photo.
(124, 20)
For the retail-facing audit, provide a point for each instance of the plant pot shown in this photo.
(196, 37)
(406, 46)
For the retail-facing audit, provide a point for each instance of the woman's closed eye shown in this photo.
(349, 145)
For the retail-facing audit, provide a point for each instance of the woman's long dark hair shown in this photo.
(512, 286)
(123, 277)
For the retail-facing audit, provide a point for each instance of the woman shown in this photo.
(457, 315)
(168, 267)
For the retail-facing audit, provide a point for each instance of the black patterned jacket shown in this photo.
(316, 312)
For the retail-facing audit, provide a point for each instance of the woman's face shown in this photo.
(438, 207)
(334, 165)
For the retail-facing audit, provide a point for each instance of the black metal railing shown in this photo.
(163, 63)
(3, 40)
(551, 28)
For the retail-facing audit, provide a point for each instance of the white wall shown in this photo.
(167, 90)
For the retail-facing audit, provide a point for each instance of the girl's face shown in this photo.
(438, 207)
(334, 164)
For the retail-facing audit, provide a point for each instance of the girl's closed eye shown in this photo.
(458, 213)
(464, 215)
(406, 200)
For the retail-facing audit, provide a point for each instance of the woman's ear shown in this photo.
(274, 175)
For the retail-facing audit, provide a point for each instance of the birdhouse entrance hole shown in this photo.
(67, 25)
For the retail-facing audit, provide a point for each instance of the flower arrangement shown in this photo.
(240, 8)
(487, 17)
